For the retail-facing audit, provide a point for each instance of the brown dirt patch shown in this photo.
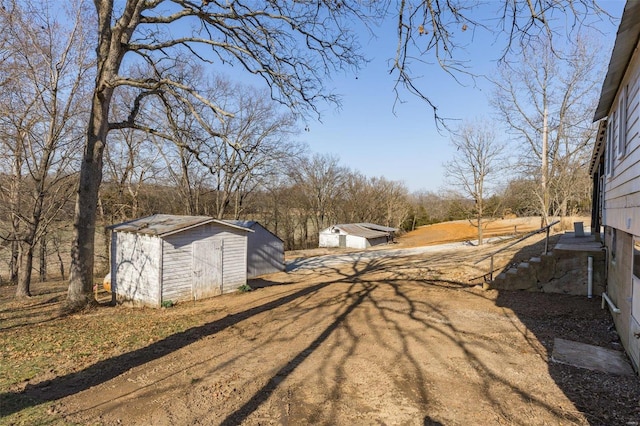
(463, 230)
(389, 341)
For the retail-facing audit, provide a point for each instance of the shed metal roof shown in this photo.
(378, 227)
(358, 230)
(626, 42)
(249, 224)
(165, 224)
(243, 223)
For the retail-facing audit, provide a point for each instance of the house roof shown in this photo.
(165, 224)
(626, 42)
(360, 230)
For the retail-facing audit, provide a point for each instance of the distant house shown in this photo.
(163, 258)
(356, 235)
(615, 168)
(265, 250)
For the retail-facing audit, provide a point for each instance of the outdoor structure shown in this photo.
(615, 168)
(356, 235)
(265, 251)
(162, 258)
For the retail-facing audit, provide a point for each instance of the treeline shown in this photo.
(172, 136)
(304, 197)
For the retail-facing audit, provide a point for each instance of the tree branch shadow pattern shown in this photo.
(108, 369)
(392, 315)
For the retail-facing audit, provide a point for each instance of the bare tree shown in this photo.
(44, 109)
(291, 45)
(375, 200)
(131, 161)
(321, 181)
(476, 165)
(548, 103)
(433, 31)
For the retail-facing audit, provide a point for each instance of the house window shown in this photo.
(622, 122)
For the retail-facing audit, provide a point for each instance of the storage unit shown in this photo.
(163, 258)
(356, 235)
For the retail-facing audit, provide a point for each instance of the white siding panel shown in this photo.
(622, 194)
(234, 260)
(178, 259)
(136, 268)
(329, 240)
(356, 242)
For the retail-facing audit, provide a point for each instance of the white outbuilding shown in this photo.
(356, 235)
(265, 250)
(169, 258)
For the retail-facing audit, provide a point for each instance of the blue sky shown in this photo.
(405, 145)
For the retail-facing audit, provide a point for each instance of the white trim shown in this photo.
(622, 122)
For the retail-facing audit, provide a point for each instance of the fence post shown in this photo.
(491, 269)
(546, 243)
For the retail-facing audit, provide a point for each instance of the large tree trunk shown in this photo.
(26, 264)
(110, 52)
(80, 293)
(43, 258)
(14, 261)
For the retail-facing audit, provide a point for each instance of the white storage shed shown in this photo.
(163, 258)
(265, 250)
(356, 235)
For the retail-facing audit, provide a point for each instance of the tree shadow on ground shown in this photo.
(603, 398)
(379, 311)
(105, 370)
(407, 332)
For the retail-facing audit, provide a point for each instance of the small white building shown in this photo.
(163, 258)
(265, 250)
(356, 235)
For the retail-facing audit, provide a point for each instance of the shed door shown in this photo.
(207, 269)
(342, 239)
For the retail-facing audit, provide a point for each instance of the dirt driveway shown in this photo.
(397, 341)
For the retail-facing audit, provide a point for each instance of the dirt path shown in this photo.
(372, 339)
(382, 341)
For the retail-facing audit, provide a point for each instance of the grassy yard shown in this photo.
(38, 345)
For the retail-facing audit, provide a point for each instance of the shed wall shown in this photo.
(265, 252)
(356, 242)
(135, 270)
(329, 239)
(377, 241)
(177, 270)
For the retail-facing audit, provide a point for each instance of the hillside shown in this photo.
(462, 230)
